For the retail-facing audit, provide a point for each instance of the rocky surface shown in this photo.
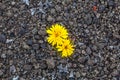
(94, 26)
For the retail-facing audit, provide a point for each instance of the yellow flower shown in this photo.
(57, 33)
(66, 48)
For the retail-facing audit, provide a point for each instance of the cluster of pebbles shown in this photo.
(25, 54)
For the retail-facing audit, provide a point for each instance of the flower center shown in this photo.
(66, 47)
(56, 34)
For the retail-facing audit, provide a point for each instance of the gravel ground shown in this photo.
(94, 25)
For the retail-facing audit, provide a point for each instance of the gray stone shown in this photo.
(27, 67)
(13, 3)
(35, 46)
(12, 69)
(1, 73)
(25, 46)
(3, 55)
(88, 50)
(91, 62)
(88, 19)
(36, 66)
(50, 63)
(43, 65)
(29, 42)
(21, 31)
(77, 74)
(34, 31)
(2, 38)
(49, 19)
(101, 8)
(9, 40)
(15, 78)
(42, 32)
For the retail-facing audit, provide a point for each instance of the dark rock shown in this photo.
(111, 3)
(94, 3)
(21, 32)
(40, 56)
(71, 78)
(63, 74)
(43, 65)
(37, 37)
(12, 34)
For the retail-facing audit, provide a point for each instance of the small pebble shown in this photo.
(88, 19)
(77, 74)
(2, 38)
(3, 55)
(50, 63)
(25, 46)
(29, 42)
(88, 50)
(15, 78)
(26, 2)
(12, 34)
(49, 19)
(35, 46)
(21, 32)
(9, 40)
(1, 73)
(27, 67)
(101, 8)
(12, 69)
